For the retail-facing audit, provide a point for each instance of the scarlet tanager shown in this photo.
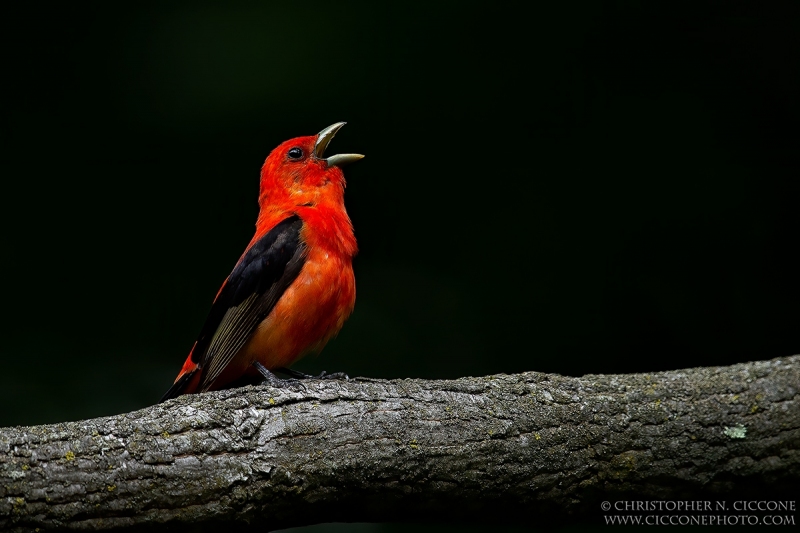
(293, 287)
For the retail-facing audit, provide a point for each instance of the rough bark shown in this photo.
(530, 448)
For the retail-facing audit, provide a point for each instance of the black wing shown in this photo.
(248, 296)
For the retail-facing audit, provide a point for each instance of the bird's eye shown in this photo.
(295, 153)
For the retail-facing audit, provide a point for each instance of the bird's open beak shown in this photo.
(324, 138)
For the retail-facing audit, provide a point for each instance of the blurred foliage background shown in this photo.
(571, 187)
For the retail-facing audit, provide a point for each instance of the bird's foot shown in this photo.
(323, 375)
(275, 381)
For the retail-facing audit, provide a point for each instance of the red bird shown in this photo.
(293, 287)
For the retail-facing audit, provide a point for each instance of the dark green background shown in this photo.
(569, 187)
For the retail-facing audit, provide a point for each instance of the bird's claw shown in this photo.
(323, 375)
(333, 375)
(275, 381)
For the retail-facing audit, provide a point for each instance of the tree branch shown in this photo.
(529, 448)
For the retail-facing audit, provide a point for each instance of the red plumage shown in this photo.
(293, 287)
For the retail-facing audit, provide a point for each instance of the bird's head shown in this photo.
(298, 173)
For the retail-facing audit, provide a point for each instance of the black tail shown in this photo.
(178, 387)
